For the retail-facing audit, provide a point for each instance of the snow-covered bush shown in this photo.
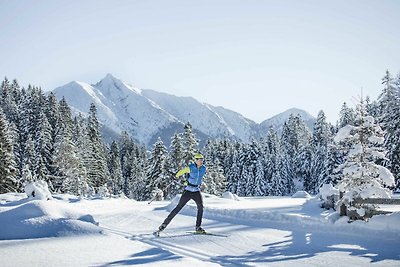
(103, 191)
(38, 190)
(362, 177)
(329, 195)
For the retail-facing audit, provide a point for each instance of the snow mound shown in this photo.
(38, 190)
(229, 195)
(40, 218)
(301, 194)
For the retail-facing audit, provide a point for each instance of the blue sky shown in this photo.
(258, 58)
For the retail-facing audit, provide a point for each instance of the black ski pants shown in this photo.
(186, 196)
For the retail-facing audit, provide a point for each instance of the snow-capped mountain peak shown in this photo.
(147, 114)
(109, 84)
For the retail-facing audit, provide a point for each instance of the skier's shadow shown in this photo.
(150, 255)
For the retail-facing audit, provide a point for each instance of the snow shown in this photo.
(301, 194)
(385, 175)
(261, 231)
(343, 133)
(229, 195)
(38, 190)
(327, 190)
(213, 121)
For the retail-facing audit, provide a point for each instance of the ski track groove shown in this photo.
(183, 251)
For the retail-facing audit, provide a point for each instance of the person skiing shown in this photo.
(196, 173)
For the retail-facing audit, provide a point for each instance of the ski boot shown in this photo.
(160, 229)
(200, 231)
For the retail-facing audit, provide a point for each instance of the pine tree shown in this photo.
(319, 155)
(115, 181)
(43, 146)
(174, 162)
(7, 164)
(389, 106)
(233, 173)
(272, 168)
(95, 163)
(362, 177)
(189, 143)
(346, 116)
(156, 173)
(295, 142)
(214, 181)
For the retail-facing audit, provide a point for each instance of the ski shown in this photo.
(206, 233)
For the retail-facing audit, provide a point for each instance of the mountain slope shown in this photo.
(120, 106)
(147, 114)
(213, 121)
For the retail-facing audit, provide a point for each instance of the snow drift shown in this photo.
(25, 219)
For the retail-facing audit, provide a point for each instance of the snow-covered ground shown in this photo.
(264, 231)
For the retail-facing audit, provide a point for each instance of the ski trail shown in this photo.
(180, 250)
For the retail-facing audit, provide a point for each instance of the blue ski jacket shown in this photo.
(195, 176)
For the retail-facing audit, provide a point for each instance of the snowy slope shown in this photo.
(120, 106)
(82, 95)
(242, 127)
(215, 122)
(260, 231)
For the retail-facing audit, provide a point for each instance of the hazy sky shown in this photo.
(258, 58)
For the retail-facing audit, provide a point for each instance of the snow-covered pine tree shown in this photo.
(254, 154)
(174, 162)
(156, 173)
(233, 172)
(136, 184)
(189, 143)
(295, 140)
(70, 176)
(322, 136)
(262, 184)
(362, 177)
(126, 158)
(346, 116)
(7, 164)
(214, 181)
(372, 107)
(43, 146)
(115, 181)
(95, 161)
(389, 106)
(272, 167)
(29, 157)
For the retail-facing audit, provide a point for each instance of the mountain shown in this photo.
(120, 106)
(147, 114)
(212, 121)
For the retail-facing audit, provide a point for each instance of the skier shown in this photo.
(196, 172)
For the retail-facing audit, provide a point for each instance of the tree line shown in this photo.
(40, 139)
